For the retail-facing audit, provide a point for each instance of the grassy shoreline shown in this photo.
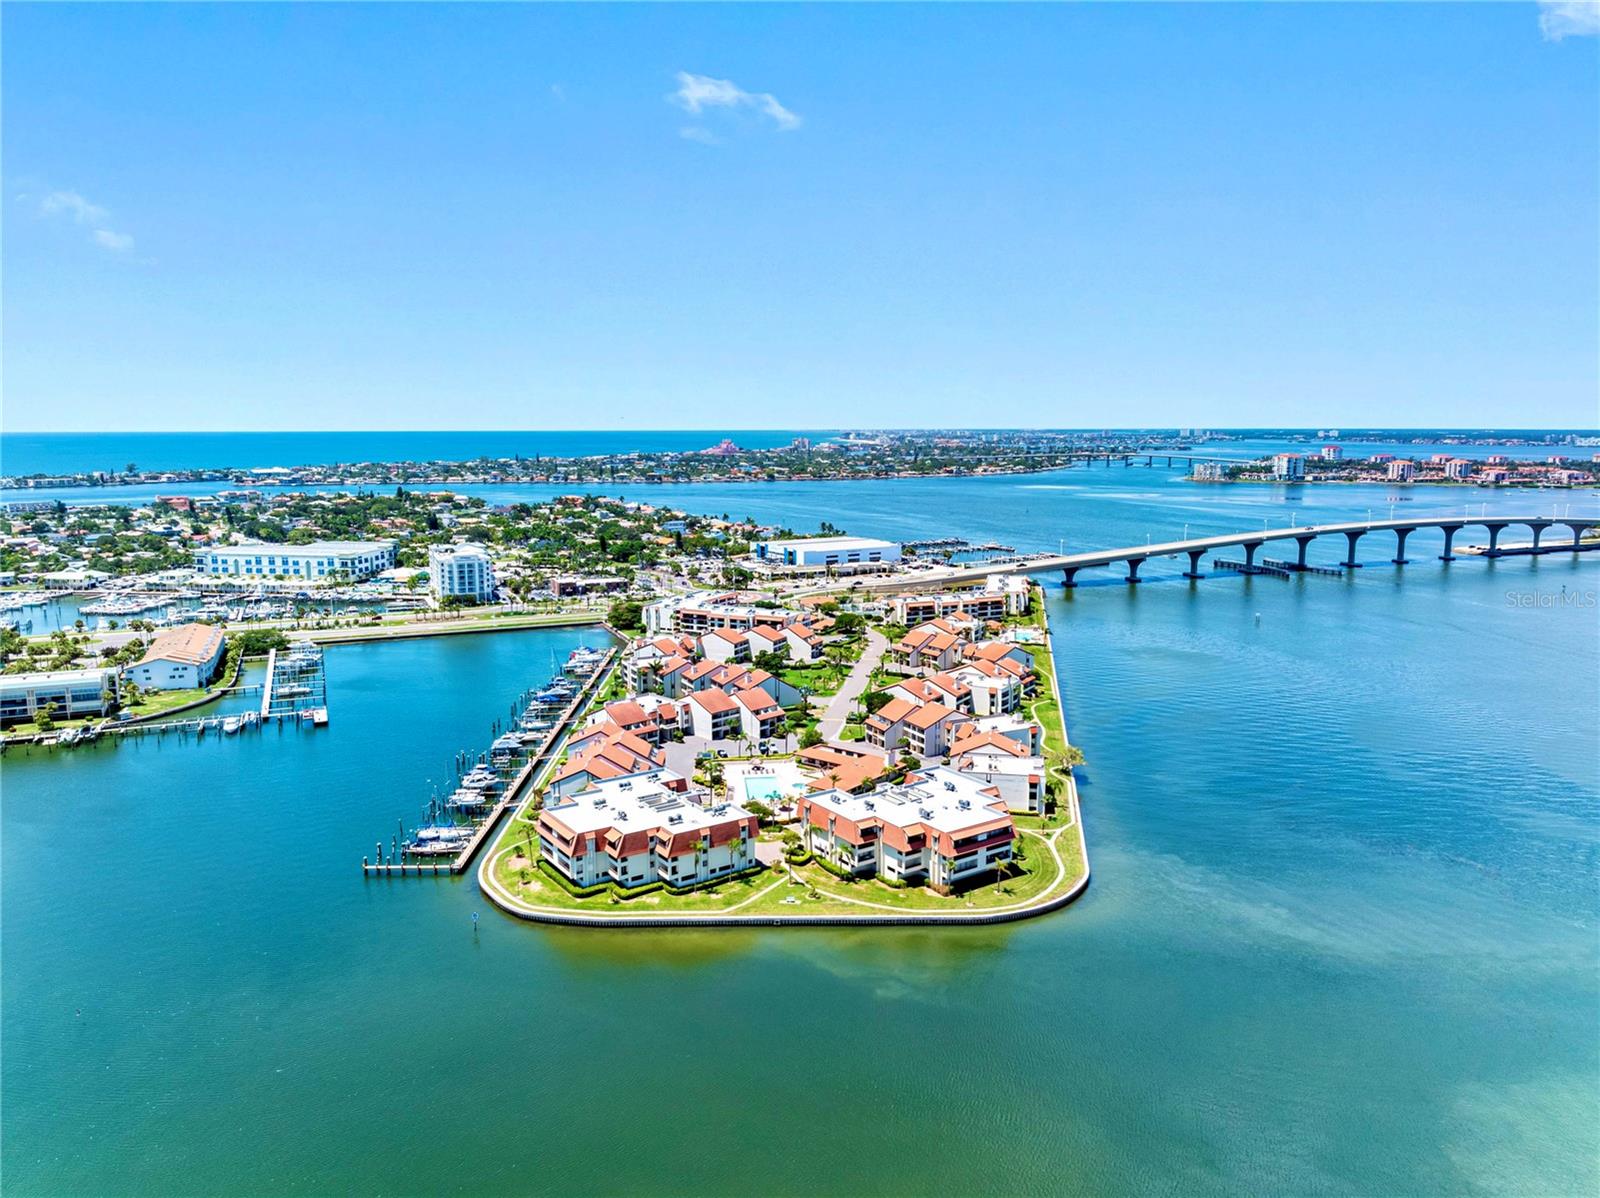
(1054, 869)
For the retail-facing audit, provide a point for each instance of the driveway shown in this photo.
(855, 685)
(681, 754)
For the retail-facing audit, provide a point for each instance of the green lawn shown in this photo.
(820, 679)
(520, 874)
(1037, 876)
(815, 892)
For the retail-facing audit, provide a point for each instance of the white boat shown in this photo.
(232, 724)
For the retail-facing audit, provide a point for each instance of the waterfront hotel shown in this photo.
(318, 561)
(939, 828)
(645, 828)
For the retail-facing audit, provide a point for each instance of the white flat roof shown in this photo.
(940, 796)
(54, 678)
(996, 762)
(311, 549)
(835, 543)
(639, 801)
(465, 550)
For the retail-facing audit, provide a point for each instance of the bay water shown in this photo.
(1341, 938)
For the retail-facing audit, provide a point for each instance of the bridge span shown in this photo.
(1134, 556)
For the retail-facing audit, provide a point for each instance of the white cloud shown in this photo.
(73, 207)
(121, 242)
(696, 93)
(1569, 18)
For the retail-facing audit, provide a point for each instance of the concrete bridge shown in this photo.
(1134, 556)
(1186, 458)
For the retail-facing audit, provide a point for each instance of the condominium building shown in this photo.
(1288, 466)
(713, 715)
(180, 658)
(72, 693)
(701, 612)
(1401, 471)
(1003, 595)
(460, 572)
(1017, 774)
(317, 561)
(940, 828)
(645, 828)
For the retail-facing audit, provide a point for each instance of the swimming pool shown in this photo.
(763, 789)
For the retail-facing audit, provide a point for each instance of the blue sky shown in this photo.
(450, 216)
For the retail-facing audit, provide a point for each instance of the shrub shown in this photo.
(626, 615)
(257, 642)
(580, 892)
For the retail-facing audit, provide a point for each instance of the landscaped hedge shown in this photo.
(744, 873)
(830, 867)
(624, 893)
(581, 892)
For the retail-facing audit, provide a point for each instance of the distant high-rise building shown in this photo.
(460, 571)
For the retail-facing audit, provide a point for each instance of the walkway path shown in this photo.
(854, 686)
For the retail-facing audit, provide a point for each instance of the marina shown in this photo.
(488, 786)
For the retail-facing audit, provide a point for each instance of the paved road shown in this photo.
(840, 705)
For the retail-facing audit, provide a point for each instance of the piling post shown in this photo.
(1400, 535)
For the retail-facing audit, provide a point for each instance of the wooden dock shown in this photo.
(1222, 563)
(1297, 568)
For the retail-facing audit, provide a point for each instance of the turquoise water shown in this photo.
(1342, 936)
(67, 453)
(762, 789)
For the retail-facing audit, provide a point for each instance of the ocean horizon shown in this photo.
(27, 453)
